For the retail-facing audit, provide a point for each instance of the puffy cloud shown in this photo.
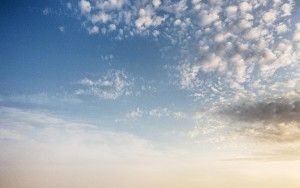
(245, 6)
(287, 9)
(253, 34)
(101, 17)
(270, 16)
(110, 4)
(156, 3)
(281, 28)
(208, 17)
(231, 44)
(147, 19)
(93, 30)
(85, 6)
(231, 10)
(214, 63)
(112, 27)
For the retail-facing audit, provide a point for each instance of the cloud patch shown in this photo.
(112, 85)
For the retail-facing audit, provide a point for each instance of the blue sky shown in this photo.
(194, 81)
(50, 64)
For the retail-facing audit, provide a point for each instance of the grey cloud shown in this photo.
(277, 111)
(275, 121)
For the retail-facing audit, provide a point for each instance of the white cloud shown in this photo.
(179, 115)
(287, 9)
(156, 3)
(61, 28)
(270, 16)
(101, 17)
(147, 19)
(208, 17)
(110, 4)
(253, 34)
(231, 10)
(137, 113)
(93, 30)
(111, 86)
(112, 27)
(214, 32)
(159, 112)
(281, 28)
(85, 6)
(245, 6)
(213, 62)
(67, 142)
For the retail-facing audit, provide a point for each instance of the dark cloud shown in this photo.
(272, 121)
(277, 111)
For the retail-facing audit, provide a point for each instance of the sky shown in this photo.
(149, 93)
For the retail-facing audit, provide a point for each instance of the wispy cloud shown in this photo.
(112, 85)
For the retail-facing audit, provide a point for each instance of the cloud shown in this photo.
(230, 51)
(69, 5)
(111, 86)
(46, 11)
(270, 16)
(208, 17)
(101, 17)
(237, 44)
(93, 30)
(154, 113)
(275, 121)
(61, 29)
(147, 19)
(277, 111)
(110, 4)
(39, 134)
(85, 6)
(35, 144)
(271, 122)
(137, 113)
(156, 3)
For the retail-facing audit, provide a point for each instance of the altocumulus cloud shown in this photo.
(235, 48)
(230, 50)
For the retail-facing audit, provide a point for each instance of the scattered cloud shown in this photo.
(85, 6)
(61, 29)
(46, 11)
(134, 114)
(112, 85)
(69, 5)
(156, 113)
(233, 45)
